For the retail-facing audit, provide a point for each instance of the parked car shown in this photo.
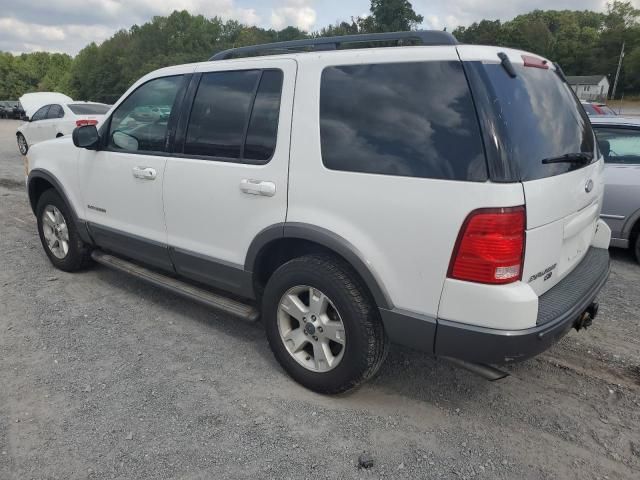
(597, 108)
(619, 140)
(350, 197)
(11, 110)
(56, 120)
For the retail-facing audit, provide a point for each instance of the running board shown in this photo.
(227, 305)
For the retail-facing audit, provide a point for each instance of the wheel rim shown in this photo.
(22, 144)
(311, 328)
(56, 232)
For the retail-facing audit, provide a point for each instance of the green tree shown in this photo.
(390, 16)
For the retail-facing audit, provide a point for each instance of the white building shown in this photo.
(590, 87)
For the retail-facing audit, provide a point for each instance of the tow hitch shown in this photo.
(586, 318)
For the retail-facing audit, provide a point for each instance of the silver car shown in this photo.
(619, 141)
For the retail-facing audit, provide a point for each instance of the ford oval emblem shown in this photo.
(589, 186)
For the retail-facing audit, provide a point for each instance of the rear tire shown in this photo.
(329, 352)
(636, 246)
(23, 147)
(59, 235)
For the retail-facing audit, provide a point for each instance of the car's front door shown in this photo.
(227, 180)
(122, 182)
(34, 129)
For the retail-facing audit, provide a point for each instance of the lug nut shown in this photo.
(304, 319)
(320, 329)
(315, 338)
(313, 317)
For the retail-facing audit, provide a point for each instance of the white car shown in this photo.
(441, 196)
(56, 120)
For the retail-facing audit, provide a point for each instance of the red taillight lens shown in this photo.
(490, 246)
(82, 123)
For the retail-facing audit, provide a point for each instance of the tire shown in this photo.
(23, 147)
(348, 306)
(59, 229)
(636, 246)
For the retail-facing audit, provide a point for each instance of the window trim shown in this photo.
(183, 127)
(176, 112)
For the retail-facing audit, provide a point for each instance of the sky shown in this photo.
(69, 25)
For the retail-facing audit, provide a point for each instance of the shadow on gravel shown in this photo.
(11, 184)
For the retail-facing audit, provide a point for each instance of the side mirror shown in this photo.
(86, 136)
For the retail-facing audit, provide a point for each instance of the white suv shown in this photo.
(441, 196)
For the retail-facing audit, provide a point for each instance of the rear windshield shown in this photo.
(89, 108)
(531, 117)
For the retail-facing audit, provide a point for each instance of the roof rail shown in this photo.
(425, 37)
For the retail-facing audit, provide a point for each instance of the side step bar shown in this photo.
(227, 305)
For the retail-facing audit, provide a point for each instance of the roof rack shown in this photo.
(425, 37)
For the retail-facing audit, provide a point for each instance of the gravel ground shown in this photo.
(104, 376)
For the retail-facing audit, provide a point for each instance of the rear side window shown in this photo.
(619, 145)
(407, 119)
(235, 115)
(55, 111)
(89, 109)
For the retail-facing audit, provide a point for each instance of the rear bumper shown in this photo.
(559, 310)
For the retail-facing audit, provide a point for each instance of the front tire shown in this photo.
(23, 147)
(58, 234)
(636, 246)
(322, 325)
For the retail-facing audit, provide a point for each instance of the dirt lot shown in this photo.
(103, 376)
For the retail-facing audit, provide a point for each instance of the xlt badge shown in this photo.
(546, 273)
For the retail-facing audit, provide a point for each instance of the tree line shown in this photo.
(583, 42)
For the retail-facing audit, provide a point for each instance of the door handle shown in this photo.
(258, 187)
(145, 173)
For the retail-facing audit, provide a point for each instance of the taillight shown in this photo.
(490, 246)
(83, 122)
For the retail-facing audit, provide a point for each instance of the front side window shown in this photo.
(41, 114)
(619, 145)
(55, 111)
(140, 123)
(407, 119)
(235, 115)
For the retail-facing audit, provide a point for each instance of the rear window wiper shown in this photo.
(579, 157)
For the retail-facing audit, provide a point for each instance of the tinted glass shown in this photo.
(535, 116)
(40, 114)
(263, 126)
(55, 111)
(619, 145)
(220, 113)
(89, 109)
(409, 119)
(140, 122)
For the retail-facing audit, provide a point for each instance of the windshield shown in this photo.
(89, 108)
(532, 116)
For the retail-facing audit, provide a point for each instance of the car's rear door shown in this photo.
(531, 120)
(227, 179)
(49, 126)
(620, 145)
